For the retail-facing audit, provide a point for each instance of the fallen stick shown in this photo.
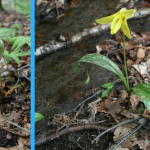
(119, 124)
(54, 46)
(124, 139)
(70, 130)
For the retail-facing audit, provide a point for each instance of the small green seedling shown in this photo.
(38, 116)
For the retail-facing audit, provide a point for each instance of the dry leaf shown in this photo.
(134, 102)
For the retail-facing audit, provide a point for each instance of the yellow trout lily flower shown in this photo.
(118, 20)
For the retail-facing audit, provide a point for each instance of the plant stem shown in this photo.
(125, 64)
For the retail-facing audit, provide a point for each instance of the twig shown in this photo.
(16, 85)
(21, 68)
(78, 112)
(70, 130)
(25, 76)
(83, 102)
(18, 23)
(57, 8)
(18, 126)
(124, 139)
(124, 122)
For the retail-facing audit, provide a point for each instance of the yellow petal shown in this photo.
(123, 9)
(128, 13)
(125, 28)
(114, 21)
(106, 20)
(118, 24)
(112, 32)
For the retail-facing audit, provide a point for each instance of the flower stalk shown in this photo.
(125, 63)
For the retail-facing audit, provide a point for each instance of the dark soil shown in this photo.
(78, 141)
(7, 139)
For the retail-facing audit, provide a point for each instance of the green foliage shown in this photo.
(26, 9)
(1, 48)
(19, 42)
(6, 55)
(14, 55)
(143, 91)
(140, 110)
(6, 33)
(88, 79)
(38, 116)
(16, 26)
(104, 62)
(108, 87)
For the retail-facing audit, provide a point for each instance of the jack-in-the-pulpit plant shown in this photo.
(118, 20)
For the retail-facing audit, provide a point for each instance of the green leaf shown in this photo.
(140, 110)
(1, 48)
(24, 8)
(108, 87)
(104, 62)
(88, 79)
(16, 26)
(105, 93)
(6, 55)
(38, 116)
(19, 42)
(143, 91)
(6, 33)
(23, 53)
(14, 56)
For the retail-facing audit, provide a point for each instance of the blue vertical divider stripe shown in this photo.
(32, 74)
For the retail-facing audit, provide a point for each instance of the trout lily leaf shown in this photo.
(118, 20)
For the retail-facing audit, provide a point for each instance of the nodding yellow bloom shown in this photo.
(118, 20)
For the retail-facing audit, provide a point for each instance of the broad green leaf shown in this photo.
(88, 79)
(108, 87)
(143, 91)
(38, 116)
(6, 55)
(103, 62)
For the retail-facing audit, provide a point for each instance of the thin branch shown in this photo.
(18, 126)
(124, 122)
(124, 139)
(83, 102)
(70, 130)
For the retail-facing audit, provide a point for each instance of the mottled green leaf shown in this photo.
(88, 79)
(103, 62)
(38, 116)
(143, 91)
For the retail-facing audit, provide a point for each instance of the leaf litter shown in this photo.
(102, 115)
(15, 106)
